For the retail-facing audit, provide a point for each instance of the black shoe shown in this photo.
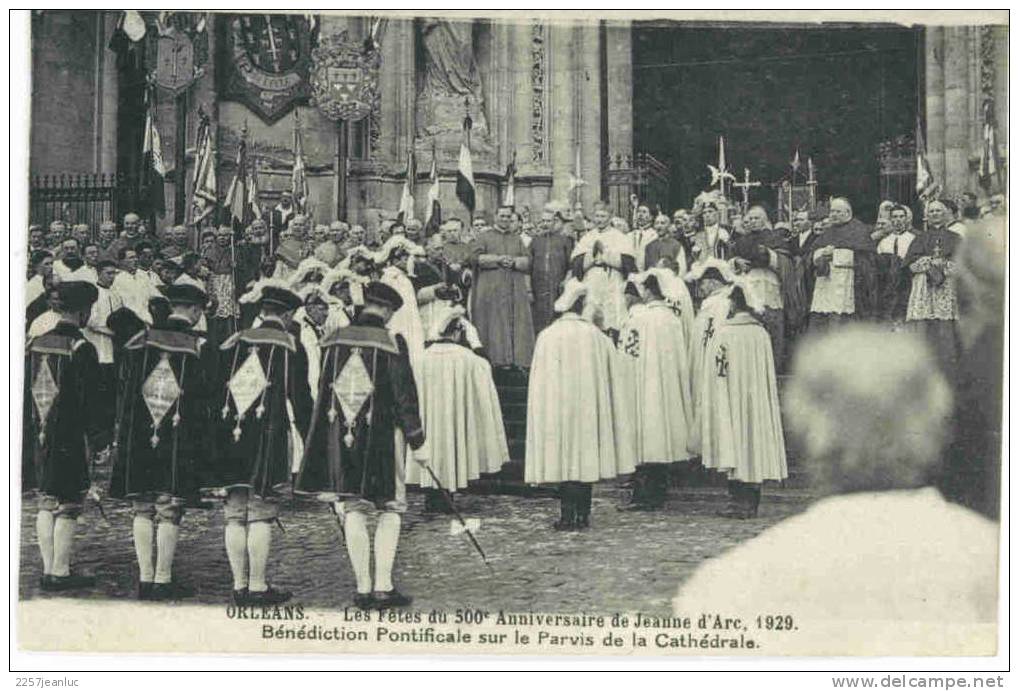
(144, 590)
(564, 526)
(391, 599)
(69, 582)
(171, 591)
(364, 601)
(240, 596)
(268, 597)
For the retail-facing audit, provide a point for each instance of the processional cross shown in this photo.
(745, 188)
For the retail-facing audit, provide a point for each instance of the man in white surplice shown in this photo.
(602, 259)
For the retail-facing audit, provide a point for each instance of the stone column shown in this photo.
(562, 104)
(620, 87)
(588, 76)
(957, 111)
(106, 98)
(935, 98)
(619, 82)
(999, 56)
(396, 85)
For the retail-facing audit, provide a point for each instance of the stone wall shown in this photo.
(965, 65)
(72, 96)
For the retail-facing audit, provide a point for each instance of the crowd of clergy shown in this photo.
(327, 357)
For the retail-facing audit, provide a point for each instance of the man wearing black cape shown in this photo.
(163, 434)
(64, 422)
(366, 394)
(266, 404)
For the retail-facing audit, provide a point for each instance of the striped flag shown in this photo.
(989, 158)
(509, 196)
(203, 195)
(926, 187)
(237, 199)
(434, 207)
(465, 191)
(253, 205)
(407, 197)
(154, 172)
(298, 179)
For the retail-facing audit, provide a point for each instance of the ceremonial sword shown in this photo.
(449, 501)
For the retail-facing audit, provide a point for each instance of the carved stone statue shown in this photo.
(449, 80)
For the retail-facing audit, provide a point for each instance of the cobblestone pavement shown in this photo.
(627, 561)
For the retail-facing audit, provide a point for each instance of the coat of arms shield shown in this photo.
(175, 62)
(344, 78)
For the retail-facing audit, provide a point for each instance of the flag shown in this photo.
(407, 198)
(926, 187)
(298, 180)
(253, 205)
(509, 197)
(434, 208)
(989, 159)
(465, 170)
(238, 197)
(575, 179)
(203, 195)
(154, 171)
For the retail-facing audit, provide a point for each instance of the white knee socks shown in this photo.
(143, 547)
(387, 535)
(166, 545)
(259, 541)
(44, 535)
(237, 553)
(63, 539)
(359, 549)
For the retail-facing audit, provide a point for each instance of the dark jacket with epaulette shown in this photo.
(164, 413)
(253, 442)
(351, 447)
(63, 417)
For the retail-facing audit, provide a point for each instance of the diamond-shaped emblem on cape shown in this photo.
(247, 383)
(44, 390)
(160, 390)
(352, 387)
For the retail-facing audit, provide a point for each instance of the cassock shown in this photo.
(500, 303)
(550, 263)
(225, 320)
(933, 307)
(773, 279)
(741, 425)
(895, 279)
(460, 254)
(668, 248)
(264, 394)
(640, 238)
(62, 409)
(579, 417)
(165, 417)
(464, 432)
(654, 338)
(605, 282)
(845, 284)
(366, 396)
(712, 315)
